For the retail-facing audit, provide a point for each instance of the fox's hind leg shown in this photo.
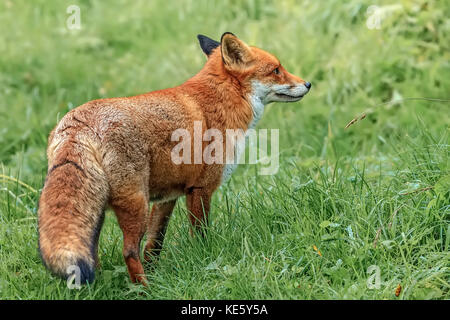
(156, 228)
(131, 211)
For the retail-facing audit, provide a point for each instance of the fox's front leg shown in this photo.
(156, 228)
(198, 203)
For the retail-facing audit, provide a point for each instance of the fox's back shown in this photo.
(131, 137)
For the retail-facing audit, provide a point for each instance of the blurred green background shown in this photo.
(356, 175)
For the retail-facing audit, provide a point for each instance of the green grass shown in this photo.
(376, 193)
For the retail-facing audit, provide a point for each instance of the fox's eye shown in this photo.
(276, 71)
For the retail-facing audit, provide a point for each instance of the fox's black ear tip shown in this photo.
(207, 44)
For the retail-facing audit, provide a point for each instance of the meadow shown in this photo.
(346, 206)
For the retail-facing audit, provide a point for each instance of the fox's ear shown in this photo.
(235, 53)
(207, 44)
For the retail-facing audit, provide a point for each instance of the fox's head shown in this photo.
(260, 72)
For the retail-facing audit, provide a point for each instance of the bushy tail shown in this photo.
(71, 213)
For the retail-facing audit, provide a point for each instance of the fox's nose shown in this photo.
(308, 85)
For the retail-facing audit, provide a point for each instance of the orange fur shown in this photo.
(117, 152)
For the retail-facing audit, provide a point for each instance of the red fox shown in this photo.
(117, 152)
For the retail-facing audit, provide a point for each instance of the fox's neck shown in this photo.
(225, 102)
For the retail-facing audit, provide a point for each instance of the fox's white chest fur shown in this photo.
(258, 109)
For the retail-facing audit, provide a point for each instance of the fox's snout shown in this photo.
(291, 87)
(280, 92)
